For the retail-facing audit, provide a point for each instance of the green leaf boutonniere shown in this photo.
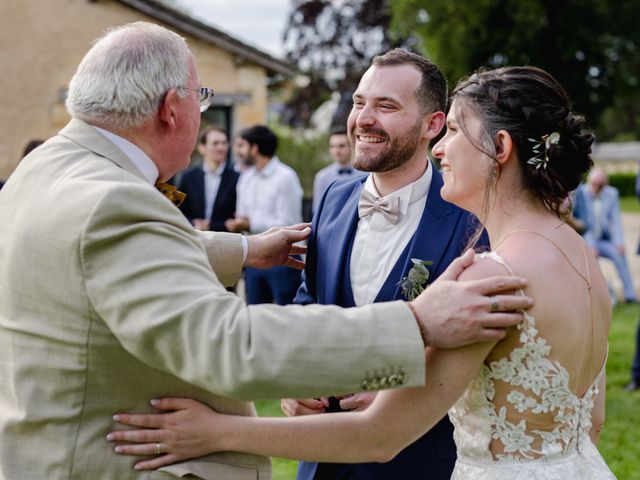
(416, 281)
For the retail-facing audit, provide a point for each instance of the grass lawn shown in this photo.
(620, 443)
(630, 204)
(282, 469)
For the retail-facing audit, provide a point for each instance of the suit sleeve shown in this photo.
(147, 277)
(307, 292)
(617, 234)
(582, 211)
(186, 207)
(225, 255)
(224, 206)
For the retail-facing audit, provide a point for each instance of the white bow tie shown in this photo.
(389, 207)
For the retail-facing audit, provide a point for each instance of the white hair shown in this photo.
(122, 80)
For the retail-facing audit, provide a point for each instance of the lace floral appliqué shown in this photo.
(540, 386)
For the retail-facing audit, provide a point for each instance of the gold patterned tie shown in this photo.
(174, 195)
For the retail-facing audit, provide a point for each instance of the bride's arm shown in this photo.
(395, 419)
(597, 414)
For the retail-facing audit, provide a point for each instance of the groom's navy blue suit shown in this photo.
(440, 237)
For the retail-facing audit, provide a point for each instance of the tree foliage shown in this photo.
(590, 46)
(333, 42)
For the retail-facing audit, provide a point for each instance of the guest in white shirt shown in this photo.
(210, 187)
(341, 168)
(269, 195)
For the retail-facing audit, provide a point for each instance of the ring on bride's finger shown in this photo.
(495, 306)
(158, 452)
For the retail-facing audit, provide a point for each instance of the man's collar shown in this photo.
(134, 153)
(270, 167)
(409, 193)
(216, 171)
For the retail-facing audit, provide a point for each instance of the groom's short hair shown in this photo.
(431, 95)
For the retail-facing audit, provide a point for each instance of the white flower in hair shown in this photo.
(540, 149)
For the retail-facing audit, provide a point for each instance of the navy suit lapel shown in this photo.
(434, 232)
(223, 191)
(337, 285)
(198, 194)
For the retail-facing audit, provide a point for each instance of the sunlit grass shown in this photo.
(630, 204)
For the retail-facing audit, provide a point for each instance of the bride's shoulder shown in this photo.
(485, 264)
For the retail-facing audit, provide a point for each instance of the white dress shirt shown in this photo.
(212, 179)
(271, 197)
(378, 243)
(133, 153)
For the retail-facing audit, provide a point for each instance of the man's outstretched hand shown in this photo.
(454, 313)
(275, 247)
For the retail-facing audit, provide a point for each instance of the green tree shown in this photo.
(590, 46)
(334, 42)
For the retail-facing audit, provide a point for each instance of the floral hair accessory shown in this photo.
(540, 149)
(415, 282)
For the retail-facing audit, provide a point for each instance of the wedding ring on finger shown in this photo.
(495, 306)
(157, 450)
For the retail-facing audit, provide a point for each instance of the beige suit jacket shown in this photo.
(107, 300)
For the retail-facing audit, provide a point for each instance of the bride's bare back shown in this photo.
(537, 386)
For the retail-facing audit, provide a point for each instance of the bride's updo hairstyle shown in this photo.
(551, 142)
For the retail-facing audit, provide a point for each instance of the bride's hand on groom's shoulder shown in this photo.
(186, 429)
(452, 313)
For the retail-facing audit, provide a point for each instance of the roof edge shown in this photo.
(212, 35)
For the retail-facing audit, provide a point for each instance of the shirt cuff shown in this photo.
(245, 249)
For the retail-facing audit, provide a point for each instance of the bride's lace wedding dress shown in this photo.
(519, 420)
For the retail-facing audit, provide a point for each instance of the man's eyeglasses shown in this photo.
(205, 96)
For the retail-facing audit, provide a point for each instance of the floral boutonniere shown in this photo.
(415, 282)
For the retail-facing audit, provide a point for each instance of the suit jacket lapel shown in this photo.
(337, 279)
(224, 190)
(430, 240)
(197, 195)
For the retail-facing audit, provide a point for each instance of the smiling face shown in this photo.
(214, 150)
(385, 126)
(465, 169)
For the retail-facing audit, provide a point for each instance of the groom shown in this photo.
(367, 231)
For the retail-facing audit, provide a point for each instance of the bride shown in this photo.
(530, 406)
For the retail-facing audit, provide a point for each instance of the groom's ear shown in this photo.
(433, 124)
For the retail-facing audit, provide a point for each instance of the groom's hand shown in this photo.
(451, 313)
(308, 406)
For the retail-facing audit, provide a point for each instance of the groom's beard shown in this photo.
(397, 152)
